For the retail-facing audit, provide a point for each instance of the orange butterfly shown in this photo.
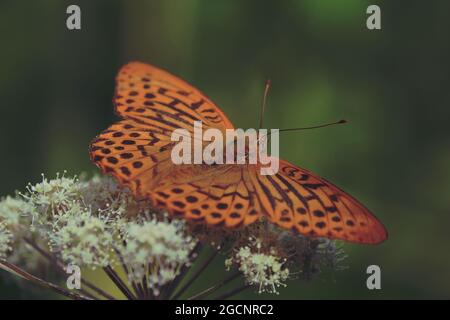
(137, 151)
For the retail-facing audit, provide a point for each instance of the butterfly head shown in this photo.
(239, 150)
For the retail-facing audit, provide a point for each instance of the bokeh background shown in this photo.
(392, 85)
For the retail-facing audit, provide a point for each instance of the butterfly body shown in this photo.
(137, 152)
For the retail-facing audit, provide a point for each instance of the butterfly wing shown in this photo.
(137, 151)
(299, 200)
(152, 103)
(216, 196)
(162, 101)
(293, 198)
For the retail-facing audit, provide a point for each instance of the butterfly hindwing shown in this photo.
(218, 199)
(299, 200)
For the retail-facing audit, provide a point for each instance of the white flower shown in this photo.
(81, 238)
(262, 269)
(51, 196)
(12, 210)
(5, 241)
(15, 221)
(157, 249)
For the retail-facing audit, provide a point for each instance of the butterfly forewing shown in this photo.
(161, 101)
(153, 103)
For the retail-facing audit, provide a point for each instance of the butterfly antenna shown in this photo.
(315, 127)
(263, 106)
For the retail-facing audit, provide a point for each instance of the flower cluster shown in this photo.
(82, 238)
(15, 220)
(156, 248)
(50, 198)
(266, 270)
(95, 224)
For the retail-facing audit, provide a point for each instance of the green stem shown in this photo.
(169, 289)
(60, 268)
(196, 275)
(231, 293)
(28, 276)
(119, 283)
(137, 292)
(215, 287)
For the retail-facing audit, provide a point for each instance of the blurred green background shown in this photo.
(392, 85)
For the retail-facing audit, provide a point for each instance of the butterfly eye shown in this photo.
(209, 165)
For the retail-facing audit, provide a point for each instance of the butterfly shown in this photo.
(136, 150)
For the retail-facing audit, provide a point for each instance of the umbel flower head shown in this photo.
(15, 224)
(82, 238)
(49, 197)
(156, 248)
(266, 270)
(13, 210)
(95, 224)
